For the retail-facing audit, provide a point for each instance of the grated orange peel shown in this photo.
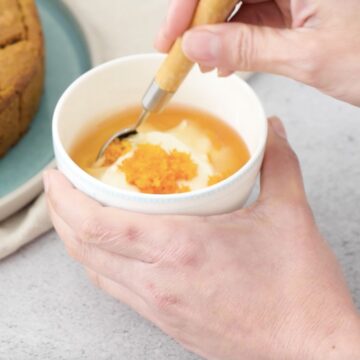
(154, 171)
(115, 150)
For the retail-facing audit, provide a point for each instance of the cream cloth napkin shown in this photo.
(24, 227)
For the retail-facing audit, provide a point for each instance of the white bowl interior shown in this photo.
(108, 89)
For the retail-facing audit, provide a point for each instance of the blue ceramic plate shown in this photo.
(67, 57)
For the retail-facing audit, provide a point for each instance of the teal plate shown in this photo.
(67, 57)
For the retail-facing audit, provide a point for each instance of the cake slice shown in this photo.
(21, 69)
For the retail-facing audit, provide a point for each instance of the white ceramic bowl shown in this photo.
(121, 83)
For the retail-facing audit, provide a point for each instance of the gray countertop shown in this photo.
(49, 310)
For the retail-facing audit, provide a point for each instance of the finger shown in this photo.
(122, 294)
(281, 175)
(139, 236)
(65, 233)
(122, 270)
(177, 21)
(224, 72)
(180, 14)
(263, 14)
(125, 271)
(205, 69)
(245, 48)
(142, 306)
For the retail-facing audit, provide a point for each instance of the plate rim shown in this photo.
(24, 194)
(29, 190)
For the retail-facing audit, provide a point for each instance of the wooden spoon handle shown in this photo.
(176, 65)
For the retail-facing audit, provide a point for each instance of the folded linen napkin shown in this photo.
(24, 227)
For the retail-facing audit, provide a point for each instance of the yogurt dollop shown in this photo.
(185, 138)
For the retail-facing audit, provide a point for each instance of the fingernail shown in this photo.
(46, 181)
(278, 127)
(224, 72)
(202, 46)
(206, 69)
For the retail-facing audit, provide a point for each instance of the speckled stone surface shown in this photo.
(49, 310)
(325, 133)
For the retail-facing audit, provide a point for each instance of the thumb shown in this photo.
(243, 47)
(281, 174)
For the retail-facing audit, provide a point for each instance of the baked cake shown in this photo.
(21, 69)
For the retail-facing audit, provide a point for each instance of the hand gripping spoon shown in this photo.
(175, 67)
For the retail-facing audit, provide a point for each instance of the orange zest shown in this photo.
(115, 150)
(154, 171)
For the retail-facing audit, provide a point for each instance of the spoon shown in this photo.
(175, 67)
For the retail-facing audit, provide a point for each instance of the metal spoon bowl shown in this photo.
(125, 133)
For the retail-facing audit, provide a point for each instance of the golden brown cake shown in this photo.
(21, 69)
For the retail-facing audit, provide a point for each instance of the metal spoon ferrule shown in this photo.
(156, 98)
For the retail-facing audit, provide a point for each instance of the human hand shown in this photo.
(260, 283)
(312, 41)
